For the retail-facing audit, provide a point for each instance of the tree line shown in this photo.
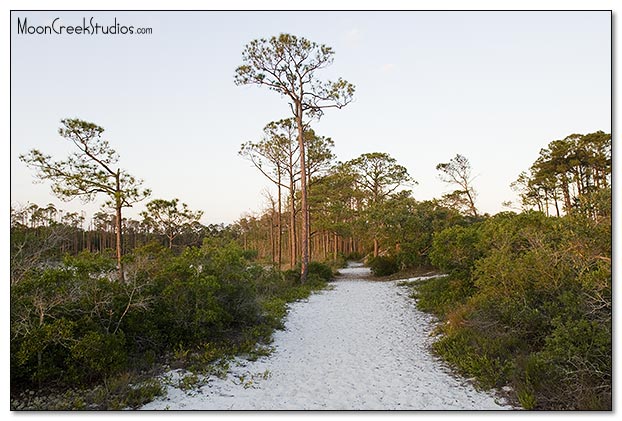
(321, 209)
(569, 174)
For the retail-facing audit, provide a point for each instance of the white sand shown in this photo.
(362, 345)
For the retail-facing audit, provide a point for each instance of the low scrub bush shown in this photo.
(317, 270)
(527, 304)
(75, 325)
(383, 265)
(322, 271)
(441, 294)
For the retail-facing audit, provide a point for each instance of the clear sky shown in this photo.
(493, 86)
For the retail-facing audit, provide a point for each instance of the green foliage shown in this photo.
(141, 394)
(527, 303)
(89, 171)
(275, 61)
(76, 325)
(188, 382)
(323, 271)
(442, 294)
(383, 265)
(203, 293)
(526, 399)
(379, 175)
(166, 218)
(486, 359)
(569, 175)
(455, 250)
(86, 263)
(98, 355)
(117, 393)
(574, 365)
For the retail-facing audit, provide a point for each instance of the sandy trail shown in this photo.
(362, 345)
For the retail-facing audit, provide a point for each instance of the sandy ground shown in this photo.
(359, 346)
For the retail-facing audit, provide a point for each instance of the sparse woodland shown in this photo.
(97, 302)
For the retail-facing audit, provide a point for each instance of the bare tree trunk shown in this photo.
(312, 245)
(546, 202)
(118, 222)
(566, 190)
(471, 202)
(292, 227)
(272, 237)
(327, 245)
(304, 232)
(278, 224)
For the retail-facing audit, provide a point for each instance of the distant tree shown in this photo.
(33, 245)
(333, 198)
(277, 157)
(570, 172)
(456, 200)
(320, 156)
(379, 176)
(88, 172)
(458, 172)
(166, 218)
(287, 64)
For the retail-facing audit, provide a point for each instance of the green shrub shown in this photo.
(322, 270)
(574, 366)
(441, 294)
(98, 355)
(526, 398)
(476, 355)
(456, 249)
(383, 265)
(143, 393)
(528, 303)
(87, 263)
(75, 325)
(274, 311)
(292, 276)
(335, 264)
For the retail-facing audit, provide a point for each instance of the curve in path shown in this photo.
(359, 346)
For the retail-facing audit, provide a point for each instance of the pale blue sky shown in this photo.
(493, 86)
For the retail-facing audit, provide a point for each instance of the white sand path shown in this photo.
(359, 346)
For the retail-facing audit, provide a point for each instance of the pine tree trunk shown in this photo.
(278, 225)
(304, 232)
(471, 203)
(118, 225)
(272, 238)
(292, 227)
